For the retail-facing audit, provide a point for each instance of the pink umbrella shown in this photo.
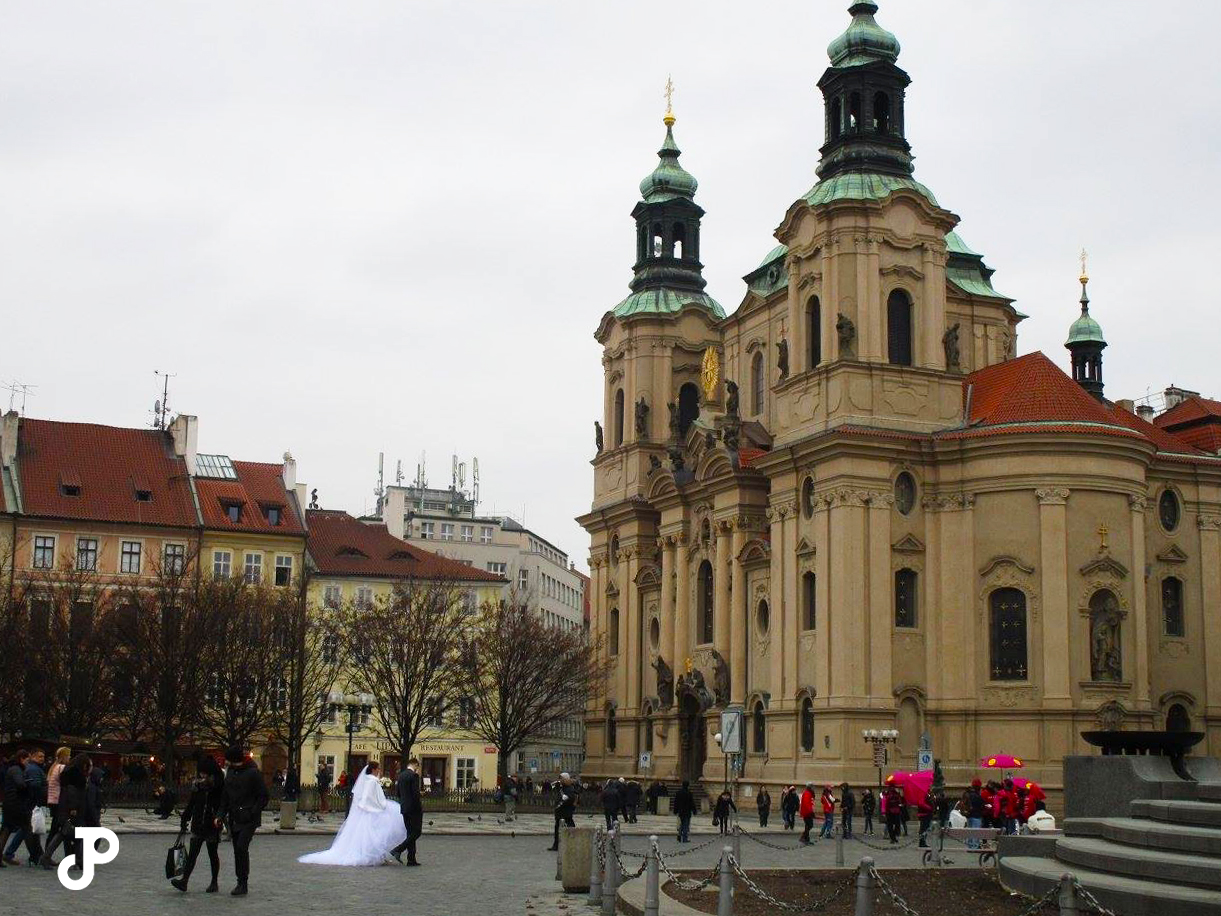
(915, 785)
(1002, 762)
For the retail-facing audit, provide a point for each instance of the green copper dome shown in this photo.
(1085, 329)
(669, 180)
(863, 186)
(864, 41)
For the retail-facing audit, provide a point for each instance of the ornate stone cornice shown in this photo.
(882, 500)
(749, 523)
(1138, 503)
(948, 502)
(1209, 522)
(1051, 496)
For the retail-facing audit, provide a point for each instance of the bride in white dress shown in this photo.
(373, 827)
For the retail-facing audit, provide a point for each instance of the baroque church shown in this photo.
(851, 506)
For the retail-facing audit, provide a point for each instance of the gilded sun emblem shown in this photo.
(710, 374)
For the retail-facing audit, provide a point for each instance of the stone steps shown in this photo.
(1126, 895)
(1133, 831)
(1209, 791)
(1139, 862)
(1195, 813)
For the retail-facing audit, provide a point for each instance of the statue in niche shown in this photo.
(782, 358)
(731, 398)
(654, 465)
(693, 683)
(1006, 345)
(642, 419)
(1106, 663)
(846, 330)
(720, 679)
(949, 340)
(676, 425)
(665, 683)
(598, 440)
(676, 459)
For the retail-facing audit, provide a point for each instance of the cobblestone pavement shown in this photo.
(461, 875)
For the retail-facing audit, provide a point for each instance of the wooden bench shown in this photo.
(986, 836)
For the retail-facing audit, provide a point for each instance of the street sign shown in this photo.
(924, 760)
(879, 755)
(646, 760)
(731, 731)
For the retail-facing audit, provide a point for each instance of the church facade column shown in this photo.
(738, 615)
(930, 324)
(1140, 601)
(1210, 592)
(666, 645)
(871, 295)
(597, 629)
(824, 592)
(847, 562)
(782, 611)
(798, 358)
(881, 601)
(720, 590)
(682, 605)
(955, 528)
(1053, 563)
(633, 611)
(629, 392)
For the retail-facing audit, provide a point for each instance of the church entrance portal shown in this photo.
(694, 747)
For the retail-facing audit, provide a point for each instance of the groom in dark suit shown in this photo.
(408, 788)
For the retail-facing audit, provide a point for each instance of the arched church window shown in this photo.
(619, 417)
(809, 598)
(899, 328)
(854, 111)
(1106, 649)
(1007, 635)
(881, 113)
(1172, 607)
(658, 240)
(837, 118)
(807, 725)
(648, 730)
(705, 601)
(807, 497)
(613, 631)
(688, 407)
(814, 331)
(680, 235)
(610, 729)
(1177, 719)
(760, 728)
(763, 617)
(905, 598)
(756, 384)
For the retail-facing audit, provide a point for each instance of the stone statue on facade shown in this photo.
(692, 683)
(654, 465)
(313, 498)
(598, 440)
(676, 425)
(642, 419)
(665, 683)
(782, 358)
(949, 340)
(1105, 659)
(720, 679)
(676, 459)
(732, 398)
(731, 434)
(846, 330)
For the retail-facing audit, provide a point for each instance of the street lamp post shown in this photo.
(358, 706)
(880, 738)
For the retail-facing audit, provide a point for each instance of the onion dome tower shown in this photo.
(1086, 343)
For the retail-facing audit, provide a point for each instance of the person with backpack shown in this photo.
(789, 804)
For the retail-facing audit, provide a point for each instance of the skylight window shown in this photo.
(218, 466)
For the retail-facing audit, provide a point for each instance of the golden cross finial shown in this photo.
(1103, 531)
(669, 94)
(689, 664)
(1084, 275)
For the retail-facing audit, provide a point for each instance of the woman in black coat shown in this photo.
(721, 814)
(200, 816)
(73, 783)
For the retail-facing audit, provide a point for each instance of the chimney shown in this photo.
(1145, 412)
(289, 474)
(8, 438)
(394, 511)
(1126, 404)
(185, 433)
(1176, 396)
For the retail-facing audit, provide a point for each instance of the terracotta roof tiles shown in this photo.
(259, 487)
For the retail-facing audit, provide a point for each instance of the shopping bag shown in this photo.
(40, 821)
(175, 859)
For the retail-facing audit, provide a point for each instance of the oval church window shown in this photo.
(1168, 510)
(905, 493)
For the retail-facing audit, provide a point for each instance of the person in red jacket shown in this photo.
(828, 812)
(1009, 807)
(806, 810)
(925, 811)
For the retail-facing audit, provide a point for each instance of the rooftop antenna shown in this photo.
(18, 387)
(398, 473)
(161, 408)
(475, 480)
(462, 476)
(381, 480)
(454, 479)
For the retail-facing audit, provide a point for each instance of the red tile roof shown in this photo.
(1196, 421)
(748, 456)
(1165, 441)
(258, 487)
(1028, 389)
(341, 545)
(108, 464)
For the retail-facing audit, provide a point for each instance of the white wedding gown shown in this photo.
(373, 827)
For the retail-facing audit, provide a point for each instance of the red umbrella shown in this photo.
(915, 785)
(1033, 790)
(1002, 762)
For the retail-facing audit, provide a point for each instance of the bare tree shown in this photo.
(16, 714)
(403, 651)
(523, 677)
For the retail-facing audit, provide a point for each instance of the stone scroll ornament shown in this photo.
(846, 330)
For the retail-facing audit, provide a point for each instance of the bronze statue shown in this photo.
(731, 398)
(782, 358)
(598, 436)
(642, 419)
(676, 459)
(949, 340)
(847, 334)
(654, 464)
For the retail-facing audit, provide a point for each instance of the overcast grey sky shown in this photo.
(353, 227)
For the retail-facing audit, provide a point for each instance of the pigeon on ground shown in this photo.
(471, 819)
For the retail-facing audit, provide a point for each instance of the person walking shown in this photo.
(95, 797)
(200, 816)
(324, 788)
(720, 814)
(22, 793)
(684, 807)
(788, 807)
(54, 835)
(828, 813)
(566, 802)
(763, 801)
(892, 809)
(868, 803)
(74, 781)
(806, 810)
(611, 803)
(510, 796)
(408, 788)
(847, 809)
(925, 811)
(975, 810)
(242, 803)
(632, 795)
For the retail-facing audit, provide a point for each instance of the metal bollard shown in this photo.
(839, 848)
(652, 880)
(1068, 895)
(724, 905)
(737, 842)
(864, 888)
(595, 873)
(610, 883)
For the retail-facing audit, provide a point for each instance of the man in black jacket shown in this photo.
(566, 802)
(242, 807)
(21, 795)
(684, 807)
(408, 788)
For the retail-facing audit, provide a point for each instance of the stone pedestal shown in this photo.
(576, 851)
(288, 815)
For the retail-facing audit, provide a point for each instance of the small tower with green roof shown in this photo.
(1086, 343)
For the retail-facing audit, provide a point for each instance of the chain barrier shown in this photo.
(687, 885)
(1091, 901)
(691, 849)
(623, 872)
(791, 907)
(782, 847)
(892, 893)
(1042, 903)
(888, 847)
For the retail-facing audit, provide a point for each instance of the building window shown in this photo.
(284, 570)
(807, 725)
(464, 772)
(523, 579)
(87, 554)
(905, 493)
(807, 497)
(44, 551)
(129, 557)
(468, 532)
(1168, 510)
(763, 617)
(881, 113)
(618, 417)
(610, 729)
(222, 564)
(705, 601)
(427, 530)
(364, 596)
(809, 601)
(447, 531)
(279, 693)
(905, 598)
(688, 407)
(272, 514)
(175, 559)
(1172, 607)
(253, 572)
(899, 328)
(498, 568)
(1007, 609)
(814, 332)
(613, 631)
(485, 535)
(1177, 719)
(332, 595)
(760, 728)
(757, 382)
(234, 512)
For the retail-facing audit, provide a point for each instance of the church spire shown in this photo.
(1086, 342)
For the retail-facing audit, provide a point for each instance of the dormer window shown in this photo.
(69, 483)
(144, 496)
(272, 514)
(233, 511)
(69, 489)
